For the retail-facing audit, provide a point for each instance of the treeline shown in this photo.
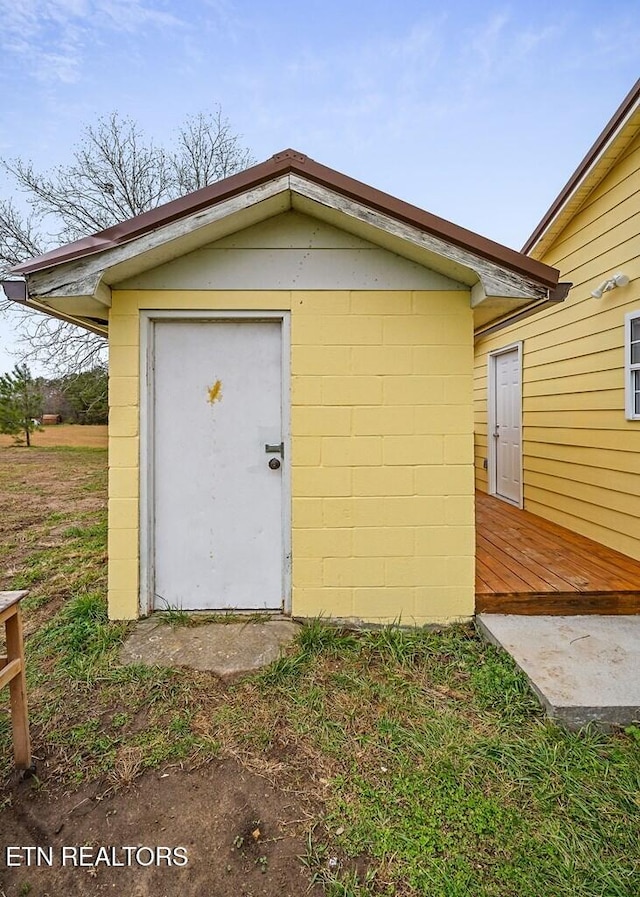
(74, 398)
(77, 398)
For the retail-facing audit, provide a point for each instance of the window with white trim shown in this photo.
(632, 364)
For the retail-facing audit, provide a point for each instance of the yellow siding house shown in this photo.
(291, 407)
(557, 394)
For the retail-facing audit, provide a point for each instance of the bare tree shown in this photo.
(115, 173)
(19, 238)
(207, 151)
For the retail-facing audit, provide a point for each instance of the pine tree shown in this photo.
(20, 403)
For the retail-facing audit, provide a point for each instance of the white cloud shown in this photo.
(54, 38)
(488, 43)
(132, 15)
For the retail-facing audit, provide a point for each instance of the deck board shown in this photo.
(557, 548)
(526, 564)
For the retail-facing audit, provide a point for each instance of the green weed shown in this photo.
(318, 636)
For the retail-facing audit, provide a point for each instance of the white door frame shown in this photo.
(147, 498)
(492, 455)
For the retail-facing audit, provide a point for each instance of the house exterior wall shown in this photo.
(581, 457)
(382, 448)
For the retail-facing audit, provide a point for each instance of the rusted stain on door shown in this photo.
(214, 392)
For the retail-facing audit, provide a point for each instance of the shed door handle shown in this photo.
(275, 449)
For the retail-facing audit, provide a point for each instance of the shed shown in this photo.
(291, 408)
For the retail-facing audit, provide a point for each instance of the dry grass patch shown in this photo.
(72, 435)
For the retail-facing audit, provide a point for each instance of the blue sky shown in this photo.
(478, 112)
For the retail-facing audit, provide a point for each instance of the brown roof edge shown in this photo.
(555, 297)
(609, 130)
(291, 161)
(127, 230)
(432, 224)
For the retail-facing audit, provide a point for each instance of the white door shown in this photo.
(217, 402)
(507, 436)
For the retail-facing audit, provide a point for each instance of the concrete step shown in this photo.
(583, 669)
(226, 649)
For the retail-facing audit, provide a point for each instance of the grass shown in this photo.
(428, 765)
(65, 436)
(446, 778)
(176, 617)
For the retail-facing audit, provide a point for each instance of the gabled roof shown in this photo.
(617, 135)
(76, 279)
(289, 161)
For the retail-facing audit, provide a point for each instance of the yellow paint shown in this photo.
(122, 544)
(581, 457)
(322, 421)
(124, 359)
(123, 603)
(381, 443)
(381, 481)
(353, 571)
(124, 391)
(123, 513)
(307, 512)
(124, 482)
(124, 330)
(215, 392)
(123, 420)
(306, 451)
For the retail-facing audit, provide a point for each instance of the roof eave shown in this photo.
(291, 161)
(494, 285)
(610, 133)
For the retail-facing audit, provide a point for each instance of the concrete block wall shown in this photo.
(382, 449)
(382, 443)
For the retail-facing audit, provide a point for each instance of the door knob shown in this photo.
(274, 463)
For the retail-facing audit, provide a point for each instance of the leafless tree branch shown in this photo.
(115, 173)
(207, 151)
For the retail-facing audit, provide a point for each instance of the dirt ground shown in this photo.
(226, 831)
(89, 436)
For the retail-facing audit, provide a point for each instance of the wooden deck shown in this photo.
(528, 565)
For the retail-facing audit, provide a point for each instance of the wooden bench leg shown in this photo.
(18, 694)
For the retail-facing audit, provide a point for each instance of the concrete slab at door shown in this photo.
(507, 433)
(583, 669)
(217, 397)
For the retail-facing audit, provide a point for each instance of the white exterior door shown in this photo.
(507, 426)
(217, 530)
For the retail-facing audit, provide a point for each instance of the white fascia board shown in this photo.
(610, 153)
(471, 267)
(92, 275)
(488, 289)
(85, 276)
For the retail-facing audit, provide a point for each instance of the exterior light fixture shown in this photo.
(618, 280)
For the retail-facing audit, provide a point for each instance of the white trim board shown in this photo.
(628, 392)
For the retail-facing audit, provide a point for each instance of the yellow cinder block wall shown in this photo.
(382, 449)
